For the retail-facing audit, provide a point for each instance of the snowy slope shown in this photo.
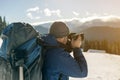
(102, 67)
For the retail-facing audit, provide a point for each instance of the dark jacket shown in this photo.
(59, 64)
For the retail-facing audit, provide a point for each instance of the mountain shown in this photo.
(102, 33)
(73, 26)
(45, 25)
(111, 22)
(102, 38)
(76, 25)
(96, 29)
(41, 29)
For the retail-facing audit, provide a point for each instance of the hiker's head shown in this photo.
(60, 30)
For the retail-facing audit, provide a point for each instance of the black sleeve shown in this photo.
(79, 57)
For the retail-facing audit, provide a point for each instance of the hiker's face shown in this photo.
(62, 40)
(65, 40)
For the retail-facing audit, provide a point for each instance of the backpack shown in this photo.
(19, 44)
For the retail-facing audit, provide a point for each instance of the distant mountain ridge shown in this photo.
(102, 33)
(73, 26)
(78, 26)
(91, 32)
(41, 29)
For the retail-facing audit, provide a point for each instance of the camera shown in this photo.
(73, 36)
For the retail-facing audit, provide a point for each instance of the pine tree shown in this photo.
(2, 23)
(0, 19)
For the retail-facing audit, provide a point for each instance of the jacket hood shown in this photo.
(50, 39)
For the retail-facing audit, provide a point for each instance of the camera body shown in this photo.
(73, 36)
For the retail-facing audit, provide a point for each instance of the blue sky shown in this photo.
(36, 11)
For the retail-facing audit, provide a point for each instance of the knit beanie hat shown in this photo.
(59, 29)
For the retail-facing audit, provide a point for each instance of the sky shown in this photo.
(38, 11)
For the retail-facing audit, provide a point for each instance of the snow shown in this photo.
(1, 42)
(102, 66)
(96, 51)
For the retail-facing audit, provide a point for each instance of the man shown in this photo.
(58, 63)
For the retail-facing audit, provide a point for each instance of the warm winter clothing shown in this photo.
(59, 64)
(59, 29)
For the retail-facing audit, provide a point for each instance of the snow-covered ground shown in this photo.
(102, 66)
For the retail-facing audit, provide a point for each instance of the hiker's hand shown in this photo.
(76, 43)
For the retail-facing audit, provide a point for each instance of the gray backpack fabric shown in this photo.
(19, 42)
(5, 70)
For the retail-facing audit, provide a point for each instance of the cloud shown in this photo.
(35, 9)
(103, 18)
(86, 22)
(29, 15)
(75, 13)
(37, 17)
(91, 14)
(57, 12)
(112, 21)
(32, 12)
(87, 13)
(49, 12)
